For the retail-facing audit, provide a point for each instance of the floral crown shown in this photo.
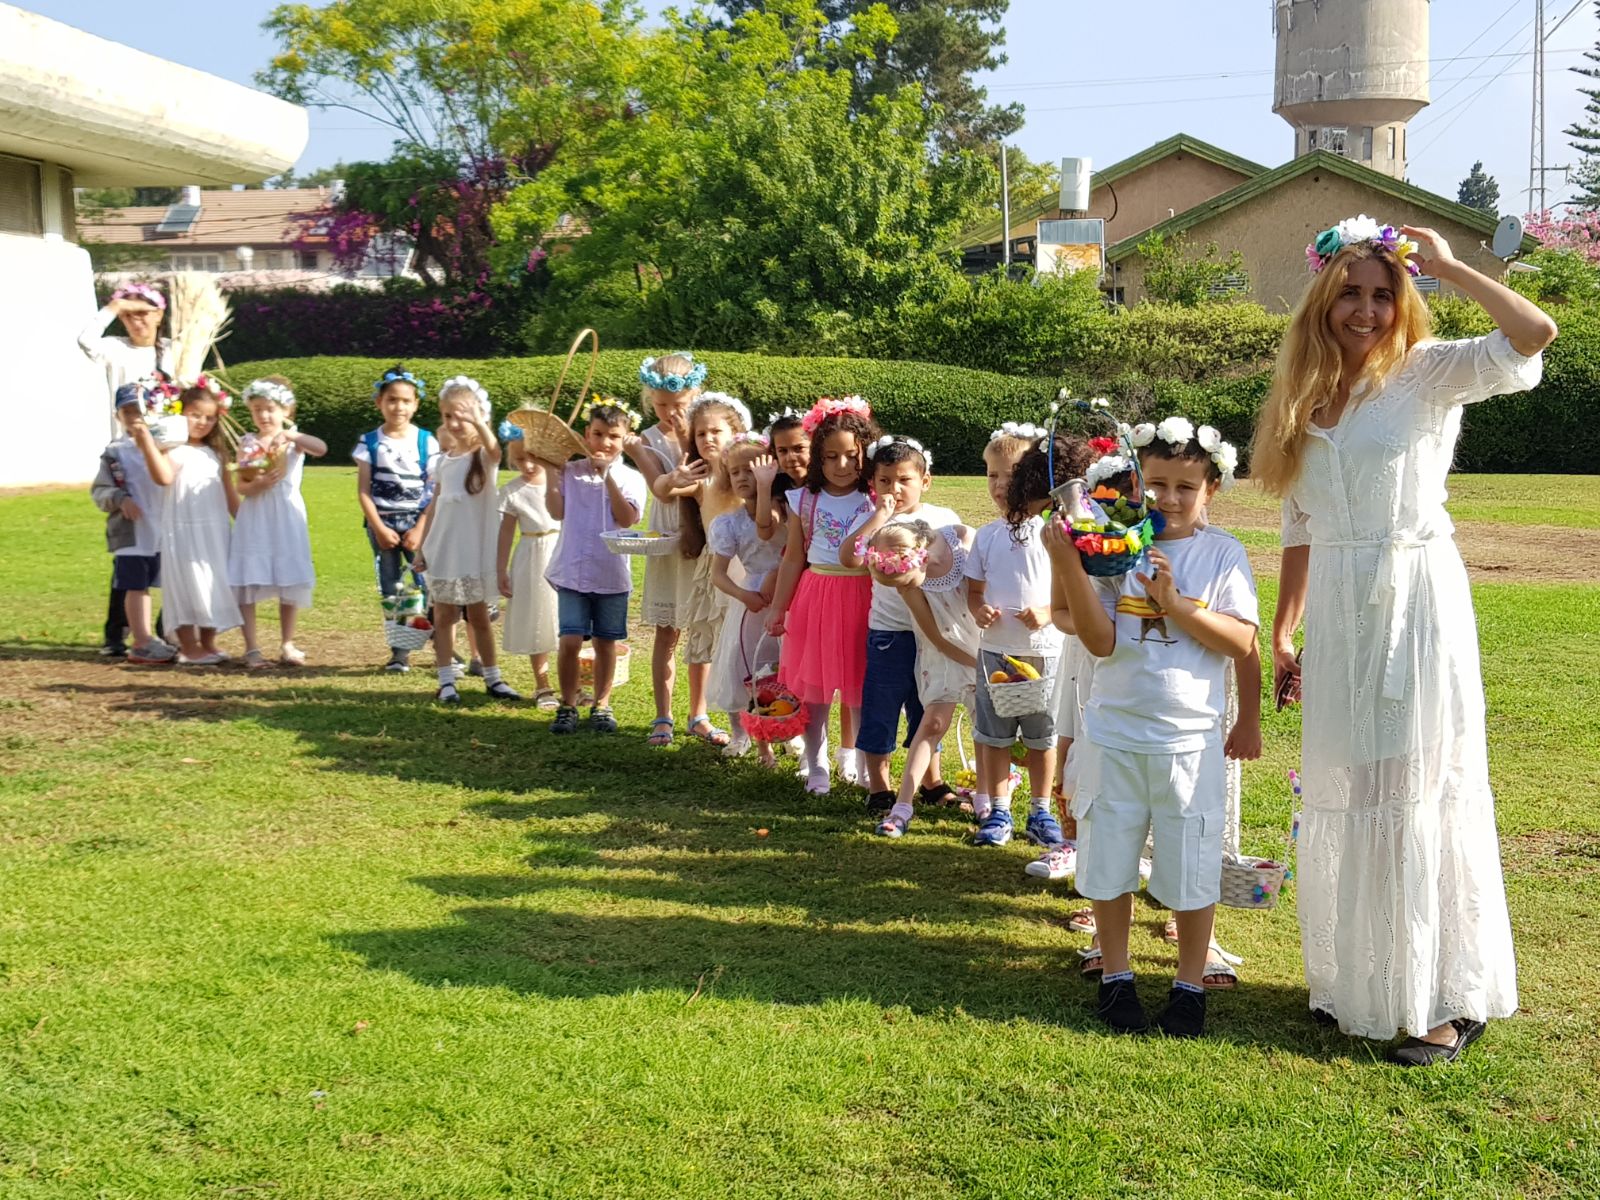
(750, 438)
(1027, 431)
(400, 377)
(1107, 466)
(140, 291)
(732, 402)
(212, 386)
(674, 382)
(890, 439)
(507, 432)
(465, 383)
(1179, 431)
(1353, 231)
(830, 406)
(896, 562)
(586, 412)
(271, 390)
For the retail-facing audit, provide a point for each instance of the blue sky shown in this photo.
(1094, 81)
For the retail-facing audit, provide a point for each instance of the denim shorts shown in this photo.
(136, 572)
(889, 686)
(599, 615)
(1037, 730)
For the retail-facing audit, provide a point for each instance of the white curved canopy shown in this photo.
(116, 116)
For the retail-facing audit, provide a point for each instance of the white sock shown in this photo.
(1002, 804)
(903, 810)
(491, 676)
(447, 676)
(1039, 804)
(816, 740)
(982, 805)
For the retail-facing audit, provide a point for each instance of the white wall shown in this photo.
(54, 411)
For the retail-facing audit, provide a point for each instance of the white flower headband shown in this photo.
(1026, 430)
(732, 402)
(1353, 231)
(464, 383)
(750, 438)
(774, 418)
(1179, 431)
(1107, 466)
(890, 439)
(267, 389)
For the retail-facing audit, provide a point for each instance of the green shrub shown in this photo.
(1191, 344)
(949, 409)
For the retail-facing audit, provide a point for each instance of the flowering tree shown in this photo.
(1578, 232)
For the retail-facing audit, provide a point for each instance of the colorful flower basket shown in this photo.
(775, 713)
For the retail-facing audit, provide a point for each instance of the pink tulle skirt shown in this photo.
(825, 638)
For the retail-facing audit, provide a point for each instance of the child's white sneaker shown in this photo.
(1056, 863)
(738, 742)
(849, 765)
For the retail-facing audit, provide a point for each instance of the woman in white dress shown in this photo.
(197, 501)
(1402, 905)
(530, 625)
(270, 555)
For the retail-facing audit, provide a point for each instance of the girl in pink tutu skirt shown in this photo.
(820, 607)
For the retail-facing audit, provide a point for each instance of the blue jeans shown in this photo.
(890, 685)
(391, 565)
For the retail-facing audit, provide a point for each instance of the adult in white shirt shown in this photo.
(1402, 904)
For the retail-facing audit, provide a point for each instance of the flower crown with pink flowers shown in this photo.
(896, 562)
(140, 291)
(830, 406)
(750, 437)
(1352, 231)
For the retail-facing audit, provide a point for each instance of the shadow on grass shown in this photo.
(645, 871)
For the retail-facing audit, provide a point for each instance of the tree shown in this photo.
(1585, 134)
(1479, 190)
(1175, 276)
(1578, 233)
(748, 201)
(320, 177)
(939, 45)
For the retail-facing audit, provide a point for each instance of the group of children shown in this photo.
(806, 552)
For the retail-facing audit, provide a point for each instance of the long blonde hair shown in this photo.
(1310, 368)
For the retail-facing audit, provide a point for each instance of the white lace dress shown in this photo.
(940, 679)
(1402, 904)
(668, 578)
(742, 647)
(194, 543)
(462, 541)
(269, 557)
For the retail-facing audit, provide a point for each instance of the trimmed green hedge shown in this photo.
(948, 409)
(952, 410)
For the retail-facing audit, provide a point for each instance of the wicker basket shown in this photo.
(1097, 562)
(586, 667)
(404, 637)
(632, 541)
(773, 727)
(1021, 699)
(1252, 882)
(546, 436)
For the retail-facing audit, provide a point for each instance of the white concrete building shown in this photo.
(79, 111)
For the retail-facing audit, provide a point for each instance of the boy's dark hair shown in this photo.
(1190, 451)
(866, 432)
(898, 452)
(610, 415)
(1033, 479)
(783, 424)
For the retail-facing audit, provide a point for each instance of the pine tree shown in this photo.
(1585, 135)
(1479, 190)
(941, 45)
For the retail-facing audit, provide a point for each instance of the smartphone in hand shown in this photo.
(1286, 685)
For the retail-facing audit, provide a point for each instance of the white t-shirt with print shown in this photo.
(397, 484)
(1016, 575)
(834, 519)
(889, 611)
(1160, 691)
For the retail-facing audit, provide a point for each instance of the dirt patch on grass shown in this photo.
(1552, 852)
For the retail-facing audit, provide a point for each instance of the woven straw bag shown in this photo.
(547, 436)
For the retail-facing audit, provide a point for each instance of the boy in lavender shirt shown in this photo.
(590, 496)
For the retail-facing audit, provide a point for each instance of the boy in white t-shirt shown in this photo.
(901, 470)
(1153, 750)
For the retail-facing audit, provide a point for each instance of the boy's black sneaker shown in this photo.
(1119, 1007)
(113, 650)
(1185, 1014)
(399, 662)
(880, 802)
(566, 720)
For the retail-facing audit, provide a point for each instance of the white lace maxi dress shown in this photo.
(1403, 918)
(194, 543)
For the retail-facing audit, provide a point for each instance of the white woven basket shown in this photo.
(404, 637)
(1021, 699)
(586, 666)
(1252, 882)
(630, 541)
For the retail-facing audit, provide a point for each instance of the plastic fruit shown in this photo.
(1022, 668)
(421, 623)
(781, 708)
(999, 677)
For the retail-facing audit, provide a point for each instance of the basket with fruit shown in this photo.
(775, 713)
(1021, 690)
(405, 619)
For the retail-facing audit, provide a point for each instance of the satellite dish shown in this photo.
(1507, 237)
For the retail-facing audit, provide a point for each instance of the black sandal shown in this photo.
(1414, 1052)
(501, 690)
(940, 794)
(447, 694)
(602, 720)
(566, 720)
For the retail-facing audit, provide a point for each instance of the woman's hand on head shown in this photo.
(1433, 252)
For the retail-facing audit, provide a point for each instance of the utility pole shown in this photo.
(1536, 185)
(1005, 210)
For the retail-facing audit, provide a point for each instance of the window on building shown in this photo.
(1391, 143)
(1230, 285)
(308, 260)
(1337, 139)
(21, 198)
(1311, 140)
(272, 260)
(66, 207)
(1366, 144)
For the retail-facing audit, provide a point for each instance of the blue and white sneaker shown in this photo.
(995, 830)
(1043, 829)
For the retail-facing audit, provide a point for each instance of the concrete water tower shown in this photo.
(1350, 74)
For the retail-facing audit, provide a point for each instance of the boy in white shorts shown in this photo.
(1152, 736)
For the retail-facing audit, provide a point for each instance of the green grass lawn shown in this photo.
(304, 935)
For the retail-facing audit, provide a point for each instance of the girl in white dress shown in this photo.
(929, 567)
(270, 556)
(463, 527)
(669, 384)
(529, 614)
(1402, 904)
(743, 650)
(197, 501)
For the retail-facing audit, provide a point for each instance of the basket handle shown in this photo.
(594, 361)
